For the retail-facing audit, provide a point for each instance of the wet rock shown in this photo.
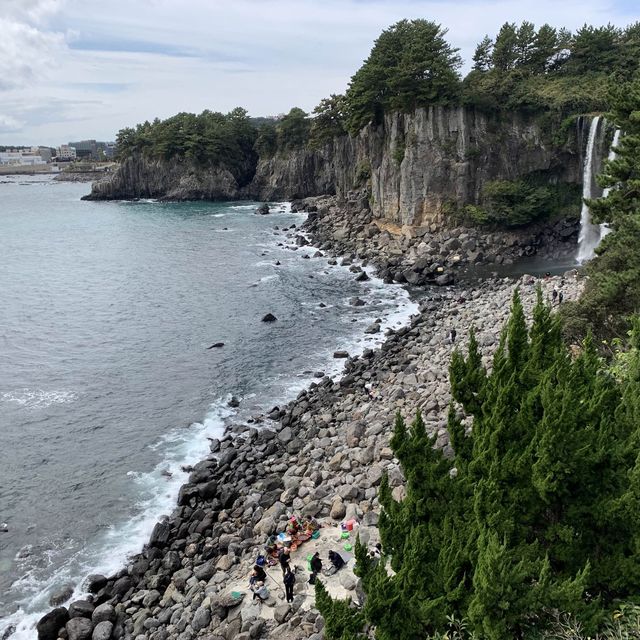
(233, 402)
(263, 209)
(340, 354)
(269, 317)
(61, 595)
(50, 623)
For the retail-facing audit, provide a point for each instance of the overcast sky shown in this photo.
(72, 69)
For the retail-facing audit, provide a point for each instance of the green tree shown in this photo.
(482, 57)
(293, 130)
(329, 119)
(341, 621)
(411, 65)
(538, 509)
(505, 48)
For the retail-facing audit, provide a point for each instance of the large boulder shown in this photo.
(102, 631)
(95, 582)
(81, 609)
(103, 612)
(61, 595)
(79, 629)
(49, 625)
(159, 535)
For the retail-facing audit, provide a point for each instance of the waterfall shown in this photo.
(590, 233)
(604, 228)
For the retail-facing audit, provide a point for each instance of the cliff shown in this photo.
(416, 166)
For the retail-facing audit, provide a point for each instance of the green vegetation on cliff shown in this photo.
(612, 290)
(208, 139)
(538, 510)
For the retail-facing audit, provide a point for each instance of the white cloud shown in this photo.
(165, 56)
(8, 124)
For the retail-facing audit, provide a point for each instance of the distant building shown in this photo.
(44, 152)
(86, 149)
(20, 157)
(66, 153)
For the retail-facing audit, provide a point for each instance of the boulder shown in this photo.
(201, 619)
(362, 277)
(338, 510)
(269, 317)
(205, 571)
(81, 609)
(79, 629)
(281, 613)
(159, 536)
(340, 354)
(102, 631)
(233, 403)
(61, 595)
(95, 581)
(263, 209)
(103, 612)
(49, 624)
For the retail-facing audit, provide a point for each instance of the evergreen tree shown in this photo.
(329, 121)
(482, 56)
(505, 49)
(411, 65)
(538, 509)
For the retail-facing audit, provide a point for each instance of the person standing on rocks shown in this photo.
(284, 561)
(289, 580)
(554, 295)
(560, 297)
(452, 335)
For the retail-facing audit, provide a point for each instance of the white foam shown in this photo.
(109, 553)
(37, 398)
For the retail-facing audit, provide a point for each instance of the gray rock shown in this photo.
(61, 595)
(50, 623)
(96, 581)
(281, 613)
(338, 510)
(201, 619)
(102, 631)
(79, 629)
(103, 612)
(81, 609)
(269, 317)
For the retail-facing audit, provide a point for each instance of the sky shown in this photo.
(77, 69)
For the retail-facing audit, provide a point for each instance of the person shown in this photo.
(260, 591)
(284, 560)
(336, 560)
(377, 550)
(289, 580)
(554, 294)
(257, 575)
(560, 297)
(452, 335)
(316, 567)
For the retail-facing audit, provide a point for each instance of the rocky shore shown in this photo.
(322, 455)
(430, 254)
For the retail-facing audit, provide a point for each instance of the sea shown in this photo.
(108, 386)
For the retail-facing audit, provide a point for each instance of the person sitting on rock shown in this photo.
(260, 591)
(257, 575)
(336, 560)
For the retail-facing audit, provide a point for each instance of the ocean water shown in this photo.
(106, 382)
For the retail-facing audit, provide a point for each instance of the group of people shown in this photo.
(258, 577)
(557, 296)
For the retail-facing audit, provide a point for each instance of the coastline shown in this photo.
(322, 455)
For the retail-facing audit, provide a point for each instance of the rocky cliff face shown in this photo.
(139, 177)
(416, 166)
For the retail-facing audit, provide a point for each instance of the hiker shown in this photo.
(316, 567)
(554, 295)
(257, 575)
(284, 560)
(289, 580)
(260, 591)
(336, 560)
(452, 335)
(560, 297)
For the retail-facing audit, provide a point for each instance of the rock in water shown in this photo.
(61, 595)
(362, 277)
(269, 318)
(216, 345)
(263, 209)
(49, 625)
(234, 402)
(340, 354)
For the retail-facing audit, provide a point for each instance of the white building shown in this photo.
(65, 152)
(20, 158)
